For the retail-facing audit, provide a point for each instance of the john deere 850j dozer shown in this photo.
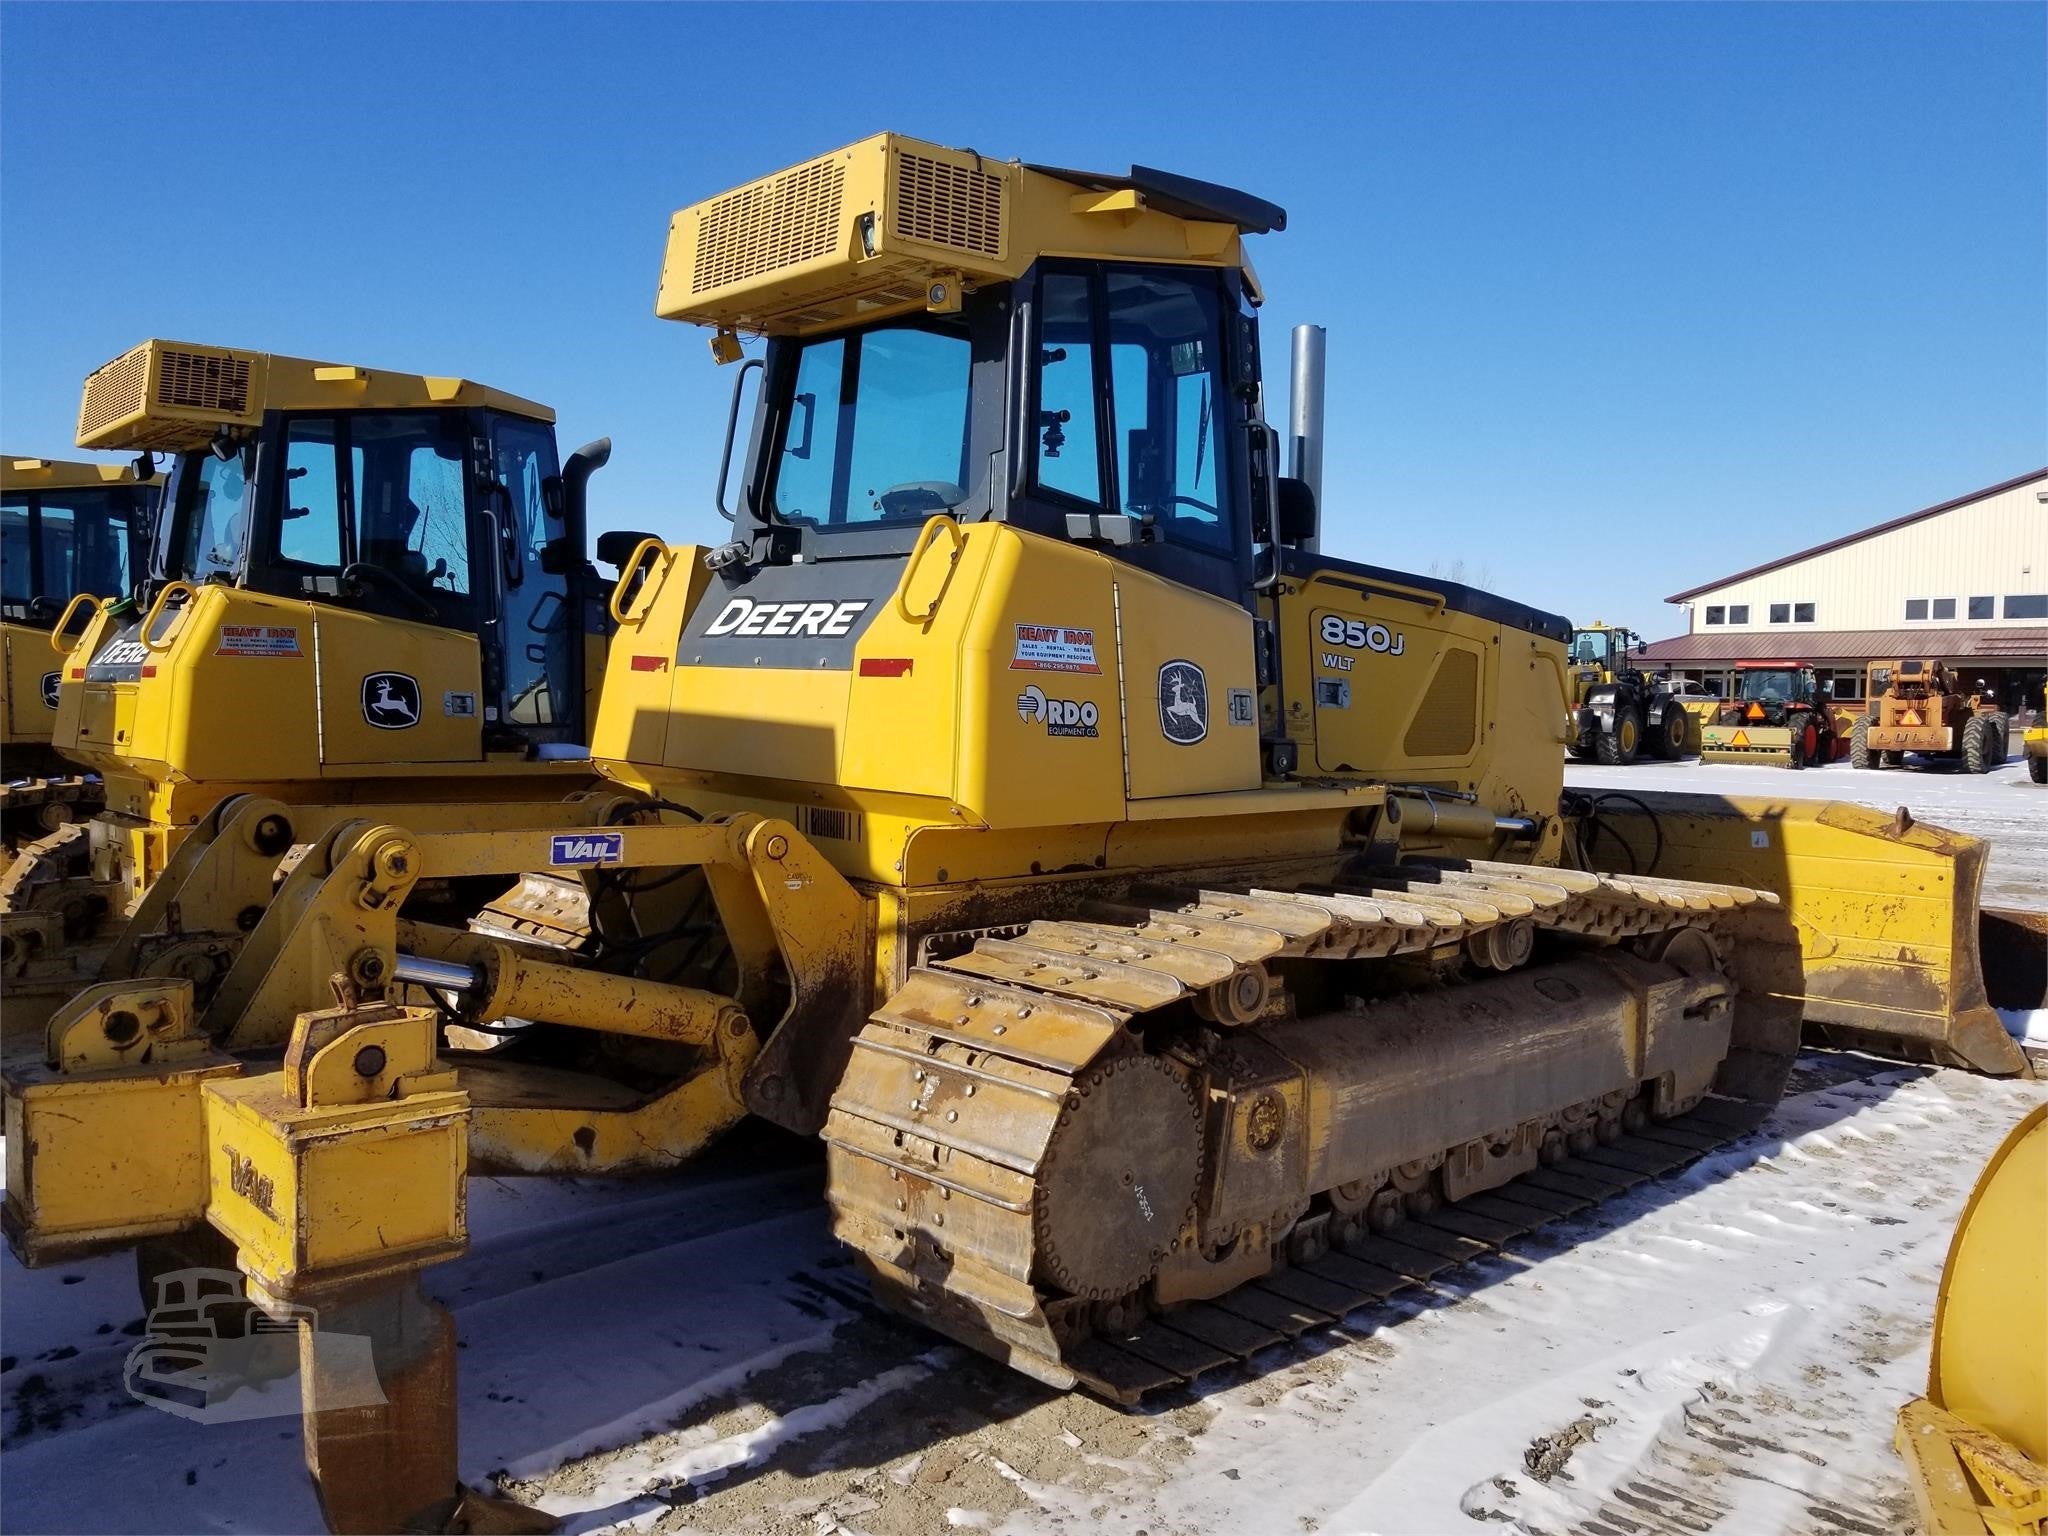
(1178, 936)
(365, 587)
(66, 530)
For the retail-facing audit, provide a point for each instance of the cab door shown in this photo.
(537, 686)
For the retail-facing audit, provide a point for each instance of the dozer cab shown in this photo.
(1618, 709)
(67, 531)
(1917, 705)
(364, 586)
(1177, 936)
(1778, 715)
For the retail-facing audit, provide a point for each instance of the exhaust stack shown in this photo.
(1305, 413)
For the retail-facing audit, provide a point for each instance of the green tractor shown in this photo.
(1618, 709)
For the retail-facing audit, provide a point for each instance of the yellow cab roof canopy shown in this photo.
(176, 397)
(894, 224)
(19, 472)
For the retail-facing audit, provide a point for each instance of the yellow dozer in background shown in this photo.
(1976, 1446)
(1177, 935)
(364, 587)
(67, 531)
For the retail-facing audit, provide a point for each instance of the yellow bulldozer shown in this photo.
(1176, 935)
(1917, 705)
(68, 532)
(1976, 1446)
(364, 586)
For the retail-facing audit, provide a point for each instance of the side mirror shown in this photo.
(1297, 512)
(616, 547)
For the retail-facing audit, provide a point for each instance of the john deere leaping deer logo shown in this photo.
(1183, 703)
(391, 700)
(50, 681)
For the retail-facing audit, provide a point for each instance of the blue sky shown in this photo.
(1620, 298)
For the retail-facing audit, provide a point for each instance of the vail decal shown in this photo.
(573, 848)
(1183, 703)
(391, 700)
(744, 616)
(1359, 635)
(1061, 717)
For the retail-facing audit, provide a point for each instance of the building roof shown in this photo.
(1952, 642)
(1854, 538)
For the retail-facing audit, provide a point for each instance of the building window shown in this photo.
(1738, 613)
(1717, 614)
(1944, 608)
(1802, 613)
(1848, 685)
(1781, 613)
(2027, 605)
(1916, 609)
(1980, 607)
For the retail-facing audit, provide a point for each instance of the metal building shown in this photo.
(1965, 581)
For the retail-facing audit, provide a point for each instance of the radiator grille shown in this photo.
(1446, 724)
(957, 206)
(193, 381)
(114, 392)
(779, 222)
(824, 821)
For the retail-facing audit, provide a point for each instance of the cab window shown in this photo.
(1163, 334)
(875, 430)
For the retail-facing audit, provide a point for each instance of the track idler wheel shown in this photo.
(1116, 1184)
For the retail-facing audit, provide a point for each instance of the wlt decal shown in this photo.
(584, 848)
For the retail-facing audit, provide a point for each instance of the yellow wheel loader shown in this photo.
(364, 587)
(1177, 935)
(1618, 711)
(1976, 1446)
(67, 531)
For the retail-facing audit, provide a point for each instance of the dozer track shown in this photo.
(53, 874)
(1036, 1151)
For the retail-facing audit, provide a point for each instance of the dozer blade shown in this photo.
(1976, 1446)
(1885, 908)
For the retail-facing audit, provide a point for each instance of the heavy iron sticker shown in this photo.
(1183, 703)
(258, 640)
(586, 848)
(1054, 648)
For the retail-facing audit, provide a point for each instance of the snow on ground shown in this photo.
(1718, 1352)
(2004, 806)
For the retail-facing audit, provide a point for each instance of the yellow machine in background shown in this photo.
(365, 586)
(1917, 705)
(1976, 1446)
(1618, 710)
(1150, 911)
(2035, 744)
(67, 530)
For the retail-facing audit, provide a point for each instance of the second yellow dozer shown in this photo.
(67, 529)
(1976, 1446)
(1178, 936)
(365, 587)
